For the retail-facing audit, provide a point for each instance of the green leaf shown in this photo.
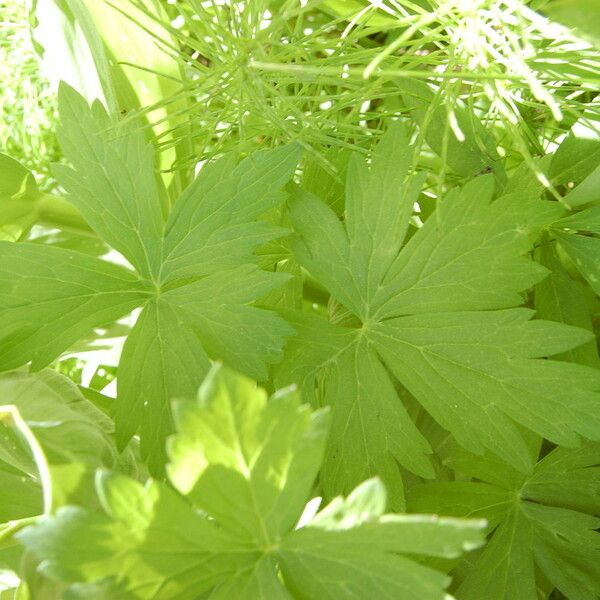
(542, 522)
(586, 192)
(469, 157)
(23, 205)
(112, 182)
(352, 550)
(561, 298)
(577, 156)
(245, 465)
(376, 230)
(371, 432)
(18, 195)
(355, 9)
(430, 313)
(579, 14)
(218, 309)
(149, 538)
(476, 374)
(50, 298)
(585, 253)
(75, 437)
(196, 284)
(16, 181)
(578, 235)
(213, 225)
(324, 176)
(160, 360)
(247, 461)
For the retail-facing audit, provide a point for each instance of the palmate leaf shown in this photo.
(196, 276)
(545, 520)
(438, 314)
(244, 466)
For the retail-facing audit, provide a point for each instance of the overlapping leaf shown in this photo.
(245, 466)
(561, 298)
(196, 276)
(578, 235)
(75, 437)
(438, 313)
(546, 520)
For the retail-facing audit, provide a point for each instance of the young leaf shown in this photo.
(197, 280)
(245, 465)
(577, 156)
(430, 313)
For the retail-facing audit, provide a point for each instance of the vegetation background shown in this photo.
(496, 98)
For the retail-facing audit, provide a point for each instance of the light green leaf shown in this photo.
(356, 552)
(245, 465)
(469, 157)
(318, 178)
(197, 283)
(577, 156)
(149, 538)
(16, 182)
(586, 192)
(585, 253)
(75, 437)
(247, 461)
(582, 15)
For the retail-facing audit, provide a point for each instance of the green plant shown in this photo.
(386, 304)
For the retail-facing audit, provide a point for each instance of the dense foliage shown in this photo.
(299, 300)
